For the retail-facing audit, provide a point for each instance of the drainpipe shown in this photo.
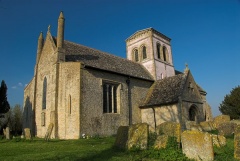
(154, 117)
(129, 101)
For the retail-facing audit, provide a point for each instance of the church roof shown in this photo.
(104, 61)
(139, 32)
(165, 91)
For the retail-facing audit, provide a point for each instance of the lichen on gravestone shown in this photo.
(220, 119)
(138, 136)
(237, 143)
(171, 129)
(197, 145)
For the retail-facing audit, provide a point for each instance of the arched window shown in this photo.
(136, 55)
(144, 52)
(44, 95)
(164, 53)
(193, 113)
(158, 51)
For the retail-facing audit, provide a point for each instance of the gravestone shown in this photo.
(138, 136)
(27, 133)
(218, 140)
(220, 119)
(7, 133)
(207, 125)
(170, 129)
(197, 145)
(226, 128)
(161, 142)
(122, 137)
(237, 143)
(189, 124)
(4, 132)
(49, 131)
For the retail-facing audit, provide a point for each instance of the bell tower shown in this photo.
(152, 49)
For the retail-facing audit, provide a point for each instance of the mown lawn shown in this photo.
(94, 149)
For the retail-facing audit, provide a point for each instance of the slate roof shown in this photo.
(165, 91)
(104, 61)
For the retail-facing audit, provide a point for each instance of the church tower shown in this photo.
(152, 49)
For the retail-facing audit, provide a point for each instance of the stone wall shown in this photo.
(28, 106)
(162, 114)
(46, 72)
(93, 120)
(69, 100)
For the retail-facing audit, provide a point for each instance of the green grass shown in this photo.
(94, 149)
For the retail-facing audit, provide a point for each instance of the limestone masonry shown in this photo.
(77, 90)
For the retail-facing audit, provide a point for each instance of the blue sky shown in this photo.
(205, 34)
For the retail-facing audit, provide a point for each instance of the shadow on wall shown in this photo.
(28, 115)
(167, 114)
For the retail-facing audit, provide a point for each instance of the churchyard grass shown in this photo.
(93, 149)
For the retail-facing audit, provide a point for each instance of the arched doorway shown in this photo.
(193, 113)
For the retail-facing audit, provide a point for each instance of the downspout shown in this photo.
(154, 117)
(129, 101)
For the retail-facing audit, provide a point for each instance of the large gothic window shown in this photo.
(109, 98)
(144, 52)
(136, 55)
(44, 94)
(158, 51)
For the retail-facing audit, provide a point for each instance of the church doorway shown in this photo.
(193, 113)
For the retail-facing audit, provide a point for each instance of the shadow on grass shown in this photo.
(104, 155)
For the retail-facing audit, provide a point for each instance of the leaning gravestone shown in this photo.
(207, 125)
(197, 145)
(170, 129)
(237, 143)
(220, 119)
(122, 137)
(7, 133)
(49, 131)
(27, 133)
(226, 128)
(138, 136)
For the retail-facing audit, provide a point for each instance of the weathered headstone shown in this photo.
(218, 140)
(7, 133)
(197, 145)
(27, 133)
(220, 119)
(207, 125)
(237, 143)
(122, 137)
(49, 131)
(4, 132)
(161, 142)
(138, 136)
(196, 127)
(226, 128)
(189, 124)
(170, 129)
(236, 121)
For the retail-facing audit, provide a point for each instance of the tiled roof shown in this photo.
(104, 61)
(165, 91)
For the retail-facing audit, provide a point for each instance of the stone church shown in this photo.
(79, 90)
